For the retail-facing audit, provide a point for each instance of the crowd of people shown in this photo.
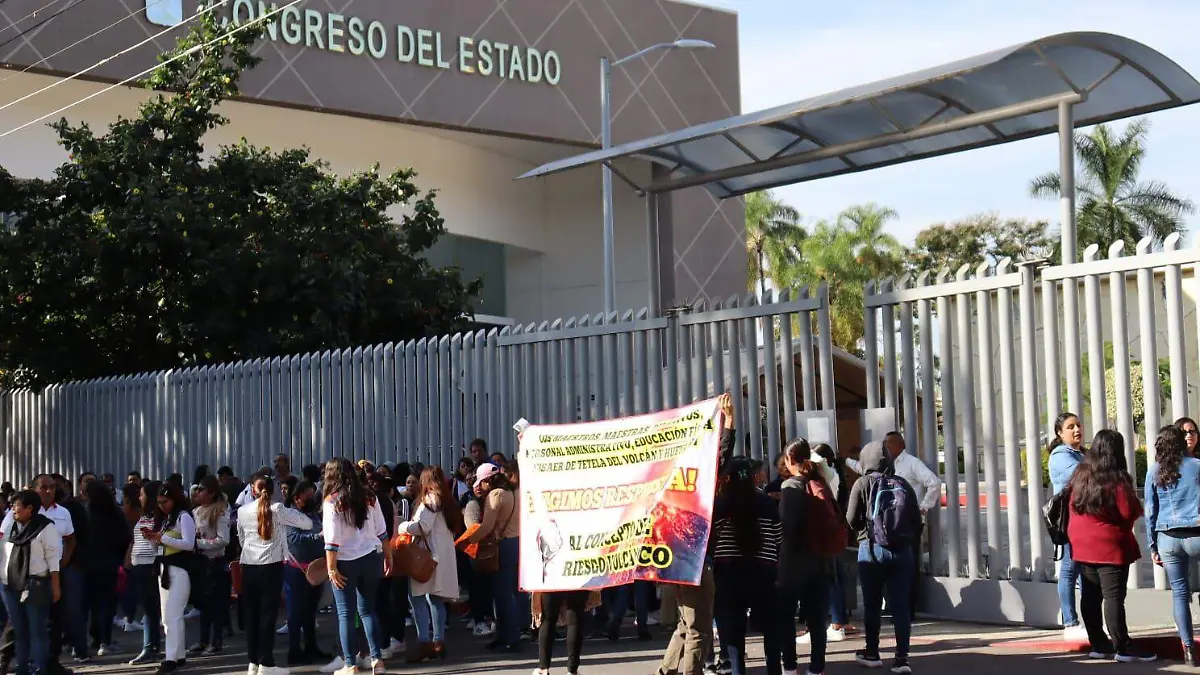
(83, 559)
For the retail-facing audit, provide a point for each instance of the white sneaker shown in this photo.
(348, 670)
(484, 629)
(333, 666)
(274, 670)
(470, 624)
(119, 622)
(134, 626)
(364, 663)
(1076, 633)
(282, 630)
(805, 639)
(254, 669)
(789, 672)
(539, 671)
(652, 619)
(396, 647)
(192, 613)
(835, 634)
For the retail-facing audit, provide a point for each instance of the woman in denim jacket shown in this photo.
(1066, 452)
(1173, 523)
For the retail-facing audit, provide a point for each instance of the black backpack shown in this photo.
(1055, 514)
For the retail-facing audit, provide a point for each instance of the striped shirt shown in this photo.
(725, 544)
(144, 552)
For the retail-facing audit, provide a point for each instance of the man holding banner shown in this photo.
(611, 502)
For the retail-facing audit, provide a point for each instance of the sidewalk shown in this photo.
(938, 648)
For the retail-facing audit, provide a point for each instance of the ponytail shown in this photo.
(266, 522)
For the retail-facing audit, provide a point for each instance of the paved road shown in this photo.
(938, 648)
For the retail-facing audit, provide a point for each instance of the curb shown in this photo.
(1165, 646)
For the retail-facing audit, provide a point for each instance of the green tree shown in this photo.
(874, 248)
(145, 252)
(983, 237)
(1113, 205)
(773, 239)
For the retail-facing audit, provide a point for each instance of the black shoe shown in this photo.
(493, 645)
(868, 659)
(298, 659)
(5, 666)
(1102, 654)
(196, 650)
(900, 666)
(167, 667)
(1189, 656)
(146, 656)
(644, 636)
(1134, 655)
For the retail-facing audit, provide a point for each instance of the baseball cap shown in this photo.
(484, 472)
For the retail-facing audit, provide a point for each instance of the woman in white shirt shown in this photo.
(356, 554)
(212, 538)
(176, 540)
(29, 562)
(431, 527)
(262, 529)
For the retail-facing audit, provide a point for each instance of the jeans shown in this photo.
(148, 590)
(1068, 579)
(480, 589)
(173, 602)
(30, 626)
(504, 591)
(261, 587)
(552, 604)
(639, 593)
(837, 596)
(101, 583)
(891, 572)
(127, 603)
(1177, 555)
(744, 587)
(74, 606)
(813, 598)
(693, 637)
(1105, 585)
(429, 610)
(362, 583)
(214, 602)
(302, 598)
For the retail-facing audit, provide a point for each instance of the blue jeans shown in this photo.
(837, 596)
(890, 571)
(1177, 555)
(147, 585)
(74, 608)
(128, 602)
(301, 599)
(504, 592)
(744, 588)
(1068, 581)
(31, 631)
(429, 610)
(639, 593)
(362, 583)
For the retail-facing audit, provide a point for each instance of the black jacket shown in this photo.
(798, 564)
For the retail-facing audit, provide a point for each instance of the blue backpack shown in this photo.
(888, 500)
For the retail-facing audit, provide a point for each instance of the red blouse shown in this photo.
(1107, 539)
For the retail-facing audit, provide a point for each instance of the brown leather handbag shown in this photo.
(413, 559)
(487, 558)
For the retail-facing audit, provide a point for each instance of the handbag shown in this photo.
(414, 560)
(487, 558)
(317, 572)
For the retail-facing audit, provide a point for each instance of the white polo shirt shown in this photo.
(57, 514)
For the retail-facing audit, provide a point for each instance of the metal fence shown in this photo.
(425, 400)
(994, 349)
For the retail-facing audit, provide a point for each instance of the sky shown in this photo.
(792, 49)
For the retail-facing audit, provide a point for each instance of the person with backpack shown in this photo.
(814, 533)
(1066, 453)
(883, 510)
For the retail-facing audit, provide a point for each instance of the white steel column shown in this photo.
(1066, 171)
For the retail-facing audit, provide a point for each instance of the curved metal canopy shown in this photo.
(1001, 96)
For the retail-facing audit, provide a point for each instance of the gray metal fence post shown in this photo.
(1033, 423)
(965, 389)
(987, 424)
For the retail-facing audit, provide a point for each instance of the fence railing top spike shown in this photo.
(1144, 244)
(557, 325)
(1004, 264)
(543, 326)
(1117, 249)
(627, 316)
(962, 272)
(982, 269)
(1172, 241)
(599, 318)
(943, 275)
(1089, 253)
(923, 278)
(570, 323)
(444, 341)
(871, 286)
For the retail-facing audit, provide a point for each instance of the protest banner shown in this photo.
(606, 503)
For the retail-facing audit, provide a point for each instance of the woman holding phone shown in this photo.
(176, 539)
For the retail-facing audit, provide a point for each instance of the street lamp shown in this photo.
(606, 68)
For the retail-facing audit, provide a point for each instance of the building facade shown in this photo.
(470, 93)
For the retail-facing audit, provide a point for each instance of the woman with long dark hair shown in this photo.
(262, 529)
(1066, 452)
(499, 534)
(747, 531)
(432, 526)
(357, 554)
(176, 540)
(110, 536)
(212, 538)
(143, 559)
(131, 507)
(1103, 509)
(1191, 434)
(1173, 524)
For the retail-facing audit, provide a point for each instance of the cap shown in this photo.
(485, 471)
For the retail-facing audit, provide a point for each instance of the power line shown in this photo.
(105, 60)
(43, 22)
(77, 42)
(189, 51)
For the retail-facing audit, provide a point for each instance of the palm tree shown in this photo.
(1112, 204)
(773, 239)
(875, 249)
(830, 255)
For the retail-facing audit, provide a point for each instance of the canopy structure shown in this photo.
(1001, 96)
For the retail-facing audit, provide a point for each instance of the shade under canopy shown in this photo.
(1001, 96)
